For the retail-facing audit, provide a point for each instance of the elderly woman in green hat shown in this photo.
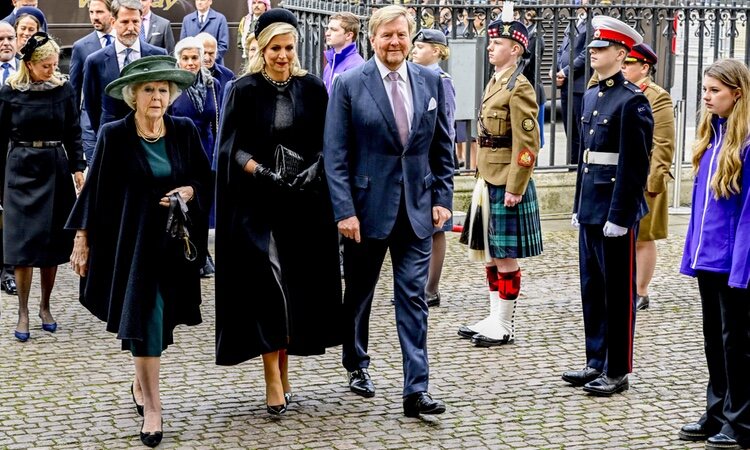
(137, 278)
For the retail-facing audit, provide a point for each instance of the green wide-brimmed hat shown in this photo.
(150, 68)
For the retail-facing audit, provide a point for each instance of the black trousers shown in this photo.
(726, 335)
(608, 291)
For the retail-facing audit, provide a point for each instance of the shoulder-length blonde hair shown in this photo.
(736, 76)
(257, 62)
(22, 78)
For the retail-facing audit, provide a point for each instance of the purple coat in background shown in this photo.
(338, 63)
(716, 239)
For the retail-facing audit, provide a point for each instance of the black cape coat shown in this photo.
(130, 253)
(253, 315)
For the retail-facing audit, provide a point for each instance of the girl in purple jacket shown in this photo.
(717, 252)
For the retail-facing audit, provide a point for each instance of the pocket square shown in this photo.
(432, 105)
(155, 33)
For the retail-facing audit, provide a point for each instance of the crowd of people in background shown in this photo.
(122, 167)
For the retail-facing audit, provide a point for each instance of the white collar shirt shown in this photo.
(121, 51)
(404, 87)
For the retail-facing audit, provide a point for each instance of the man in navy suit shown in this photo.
(101, 18)
(389, 161)
(104, 66)
(206, 20)
(221, 73)
(156, 30)
(566, 73)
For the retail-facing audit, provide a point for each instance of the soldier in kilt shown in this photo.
(505, 193)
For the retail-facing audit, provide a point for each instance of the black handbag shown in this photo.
(177, 221)
(289, 163)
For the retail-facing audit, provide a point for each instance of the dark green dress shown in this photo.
(155, 342)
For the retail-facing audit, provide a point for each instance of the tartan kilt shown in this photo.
(514, 232)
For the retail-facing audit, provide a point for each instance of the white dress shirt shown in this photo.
(120, 49)
(103, 40)
(404, 87)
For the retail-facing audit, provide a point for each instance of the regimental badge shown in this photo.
(610, 82)
(506, 30)
(526, 158)
(597, 34)
(528, 124)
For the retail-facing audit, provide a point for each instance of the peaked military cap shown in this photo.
(608, 31)
(642, 53)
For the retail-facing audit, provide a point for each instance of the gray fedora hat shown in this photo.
(150, 68)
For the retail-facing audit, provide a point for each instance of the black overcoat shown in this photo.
(254, 314)
(129, 250)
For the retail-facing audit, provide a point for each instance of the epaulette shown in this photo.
(632, 87)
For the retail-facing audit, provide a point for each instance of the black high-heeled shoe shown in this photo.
(138, 408)
(153, 438)
(276, 410)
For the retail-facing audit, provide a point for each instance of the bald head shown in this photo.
(7, 42)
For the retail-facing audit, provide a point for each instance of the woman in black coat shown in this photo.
(138, 279)
(39, 119)
(278, 285)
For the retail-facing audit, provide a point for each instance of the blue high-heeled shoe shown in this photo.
(22, 337)
(50, 327)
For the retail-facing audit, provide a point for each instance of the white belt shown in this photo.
(602, 158)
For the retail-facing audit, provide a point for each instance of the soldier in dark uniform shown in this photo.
(616, 138)
(508, 146)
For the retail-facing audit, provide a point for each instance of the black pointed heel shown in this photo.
(152, 439)
(138, 408)
(276, 410)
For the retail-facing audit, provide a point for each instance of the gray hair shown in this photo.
(203, 37)
(117, 5)
(189, 42)
(129, 91)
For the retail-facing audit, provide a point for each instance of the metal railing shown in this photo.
(687, 36)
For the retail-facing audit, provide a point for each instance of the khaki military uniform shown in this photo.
(509, 118)
(654, 224)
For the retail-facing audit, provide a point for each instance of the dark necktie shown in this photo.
(143, 30)
(201, 19)
(108, 39)
(127, 59)
(399, 109)
(6, 71)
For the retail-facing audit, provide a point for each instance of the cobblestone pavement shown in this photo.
(70, 389)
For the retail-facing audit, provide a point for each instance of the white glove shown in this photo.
(574, 221)
(612, 230)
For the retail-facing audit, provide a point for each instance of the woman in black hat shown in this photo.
(39, 119)
(138, 279)
(281, 293)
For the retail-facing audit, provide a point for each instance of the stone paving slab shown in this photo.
(71, 389)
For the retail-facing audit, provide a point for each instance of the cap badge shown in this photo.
(506, 30)
(597, 34)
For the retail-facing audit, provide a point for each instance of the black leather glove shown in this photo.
(310, 177)
(268, 176)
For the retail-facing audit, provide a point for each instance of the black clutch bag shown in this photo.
(289, 163)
